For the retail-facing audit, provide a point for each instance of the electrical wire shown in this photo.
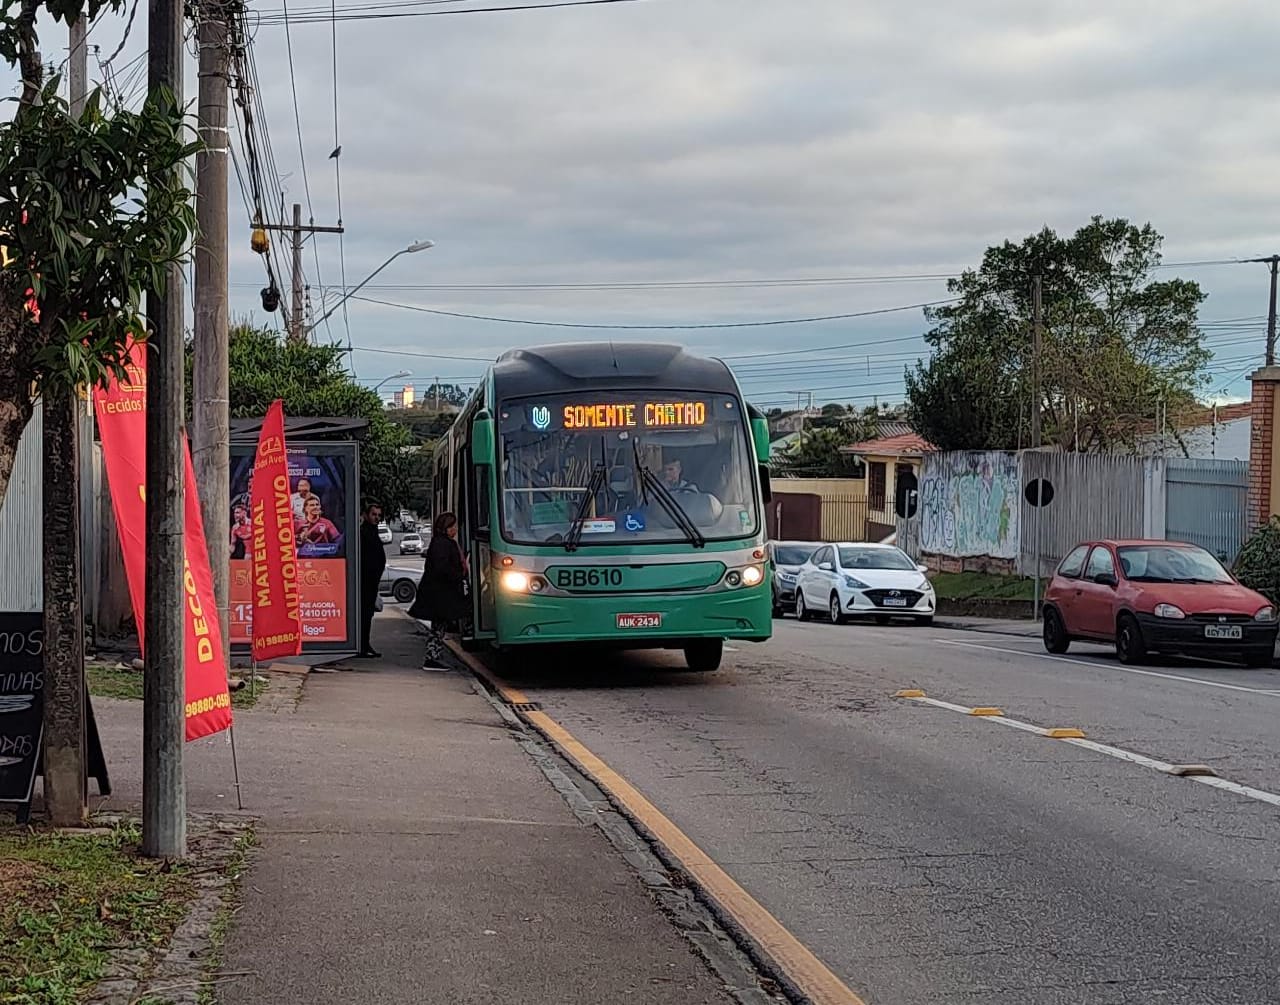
(654, 327)
(379, 15)
(337, 184)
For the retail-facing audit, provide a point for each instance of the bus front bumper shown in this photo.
(636, 620)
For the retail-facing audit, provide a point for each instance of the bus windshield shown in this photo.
(626, 467)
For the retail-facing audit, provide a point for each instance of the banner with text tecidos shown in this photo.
(122, 423)
(277, 616)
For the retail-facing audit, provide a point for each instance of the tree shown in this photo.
(422, 427)
(313, 381)
(89, 218)
(448, 394)
(92, 212)
(1117, 344)
(817, 455)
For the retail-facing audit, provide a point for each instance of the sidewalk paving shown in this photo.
(994, 626)
(411, 852)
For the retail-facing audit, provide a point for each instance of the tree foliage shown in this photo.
(91, 212)
(1117, 344)
(313, 381)
(1258, 564)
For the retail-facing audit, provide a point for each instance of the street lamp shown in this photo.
(415, 247)
(394, 376)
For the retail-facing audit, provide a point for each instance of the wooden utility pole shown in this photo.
(1037, 337)
(65, 777)
(210, 432)
(298, 321)
(164, 792)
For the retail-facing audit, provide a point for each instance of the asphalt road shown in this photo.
(929, 856)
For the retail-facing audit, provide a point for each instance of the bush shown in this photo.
(1258, 564)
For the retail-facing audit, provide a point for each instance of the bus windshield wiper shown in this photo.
(667, 500)
(595, 483)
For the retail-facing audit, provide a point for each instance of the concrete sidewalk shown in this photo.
(411, 852)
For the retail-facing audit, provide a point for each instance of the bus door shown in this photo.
(473, 514)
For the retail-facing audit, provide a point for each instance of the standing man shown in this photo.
(373, 559)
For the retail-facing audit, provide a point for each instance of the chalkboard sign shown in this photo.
(22, 713)
(21, 703)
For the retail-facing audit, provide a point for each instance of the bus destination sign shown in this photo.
(624, 415)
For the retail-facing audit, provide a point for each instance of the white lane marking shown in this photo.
(1110, 668)
(1164, 767)
(730, 649)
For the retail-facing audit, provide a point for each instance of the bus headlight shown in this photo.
(752, 575)
(515, 582)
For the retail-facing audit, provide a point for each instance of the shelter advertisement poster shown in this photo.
(323, 501)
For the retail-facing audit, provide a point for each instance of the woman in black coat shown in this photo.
(441, 598)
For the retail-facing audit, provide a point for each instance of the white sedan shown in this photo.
(840, 581)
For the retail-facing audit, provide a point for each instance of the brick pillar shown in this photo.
(1264, 448)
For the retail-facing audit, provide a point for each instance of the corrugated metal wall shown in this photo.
(1094, 496)
(21, 583)
(1207, 504)
(22, 520)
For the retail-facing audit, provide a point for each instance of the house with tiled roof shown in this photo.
(892, 464)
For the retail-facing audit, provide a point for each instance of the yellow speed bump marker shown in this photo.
(910, 692)
(1064, 733)
(986, 710)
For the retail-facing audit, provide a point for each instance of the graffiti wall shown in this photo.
(969, 504)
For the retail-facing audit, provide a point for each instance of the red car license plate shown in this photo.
(639, 620)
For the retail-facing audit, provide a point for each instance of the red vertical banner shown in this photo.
(277, 617)
(122, 423)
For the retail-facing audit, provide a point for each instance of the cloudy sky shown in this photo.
(749, 142)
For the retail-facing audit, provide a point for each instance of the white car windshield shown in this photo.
(874, 558)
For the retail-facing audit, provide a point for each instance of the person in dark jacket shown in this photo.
(373, 559)
(441, 598)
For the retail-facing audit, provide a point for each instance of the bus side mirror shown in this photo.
(766, 490)
(760, 434)
(482, 445)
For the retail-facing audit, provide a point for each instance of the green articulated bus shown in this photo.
(611, 494)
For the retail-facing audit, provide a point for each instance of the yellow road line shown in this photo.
(809, 974)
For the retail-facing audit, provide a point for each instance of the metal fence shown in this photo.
(844, 504)
(1206, 503)
(1094, 496)
(21, 581)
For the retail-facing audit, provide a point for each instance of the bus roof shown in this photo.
(585, 365)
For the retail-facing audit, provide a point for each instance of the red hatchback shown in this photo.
(1156, 596)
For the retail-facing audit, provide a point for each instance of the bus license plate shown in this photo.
(1223, 632)
(639, 620)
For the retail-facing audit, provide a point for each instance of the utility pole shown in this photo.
(298, 323)
(1037, 336)
(210, 433)
(1274, 262)
(65, 777)
(164, 792)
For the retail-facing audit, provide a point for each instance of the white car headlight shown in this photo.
(855, 584)
(1171, 611)
(1266, 614)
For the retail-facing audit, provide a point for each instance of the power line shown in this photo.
(378, 15)
(655, 327)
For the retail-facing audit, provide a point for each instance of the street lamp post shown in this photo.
(415, 247)
(394, 376)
